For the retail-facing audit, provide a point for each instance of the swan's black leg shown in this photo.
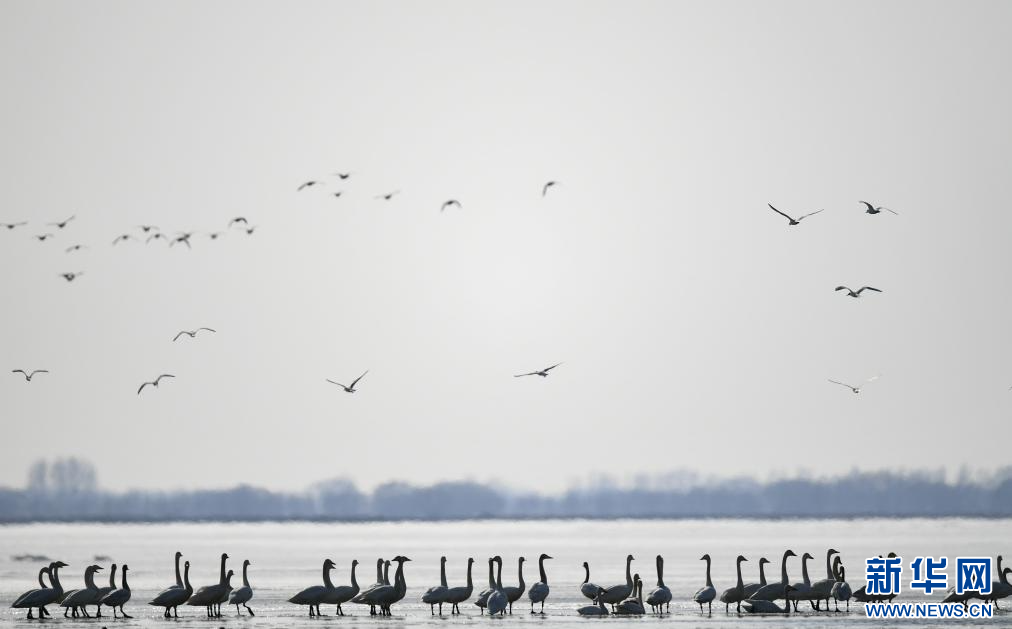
(123, 613)
(30, 617)
(248, 609)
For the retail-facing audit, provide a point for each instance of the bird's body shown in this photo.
(351, 387)
(70, 277)
(597, 609)
(633, 604)
(389, 195)
(175, 595)
(513, 594)
(11, 226)
(457, 595)
(588, 589)
(62, 224)
(841, 589)
(802, 591)
(192, 333)
(79, 599)
(498, 600)
(238, 220)
(774, 591)
(29, 374)
(210, 596)
(436, 595)
(618, 593)
(540, 590)
(102, 591)
(823, 588)
(857, 293)
(541, 372)
(856, 389)
(184, 238)
(73, 248)
(871, 209)
(735, 594)
(122, 238)
(450, 203)
(760, 606)
(707, 593)
(158, 236)
(242, 596)
(147, 228)
(155, 382)
(43, 596)
(118, 597)
(308, 184)
(313, 596)
(341, 594)
(660, 596)
(544, 188)
(793, 221)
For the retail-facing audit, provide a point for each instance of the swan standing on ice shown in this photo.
(707, 593)
(498, 601)
(44, 595)
(82, 598)
(841, 589)
(618, 593)
(380, 582)
(539, 591)
(482, 600)
(458, 595)
(343, 593)
(209, 595)
(802, 591)
(384, 597)
(313, 595)
(120, 596)
(243, 594)
(823, 588)
(660, 596)
(737, 593)
(774, 591)
(588, 589)
(173, 596)
(513, 594)
(436, 595)
(102, 591)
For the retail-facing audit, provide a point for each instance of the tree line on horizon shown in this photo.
(67, 490)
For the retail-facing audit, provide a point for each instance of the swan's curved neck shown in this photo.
(628, 571)
(762, 572)
(245, 568)
(469, 564)
(354, 581)
(42, 573)
(179, 579)
(379, 571)
(783, 569)
(386, 573)
(186, 579)
(520, 569)
(400, 585)
(112, 577)
(829, 566)
(660, 571)
(326, 577)
(491, 574)
(442, 572)
(709, 583)
(741, 584)
(541, 569)
(224, 558)
(498, 575)
(55, 578)
(804, 570)
(586, 578)
(89, 579)
(126, 586)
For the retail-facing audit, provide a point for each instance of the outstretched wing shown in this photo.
(38, 371)
(842, 384)
(888, 210)
(521, 375)
(355, 381)
(22, 372)
(548, 185)
(238, 219)
(779, 212)
(164, 375)
(871, 208)
(179, 335)
(552, 367)
(306, 185)
(142, 387)
(337, 383)
(810, 214)
(208, 329)
(842, 288)
(868, 288)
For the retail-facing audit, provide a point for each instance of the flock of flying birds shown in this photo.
(152, 232)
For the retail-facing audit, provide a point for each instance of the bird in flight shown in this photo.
(237, 220)
(856, 389)
(793, 221)
(147, 228)
(450, 203)
(183, 238)
(28, 374)
(543, 372)
(307, 185)
(156, 236)
(338, 193)
(875, 210)
(214, 235)
(250, 230)
(62, 224)
(155, 382)
(343, 176)
(75, 248)
(70, 277)
(122, 238)
(43, 237)
(13, 225)
(191, 333)
(388, 196)
(351, 388)
(857, 293)
(548, 185)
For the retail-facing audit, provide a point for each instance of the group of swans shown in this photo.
(210, 597)
(379, 596)
(76, 602)
(625, 598)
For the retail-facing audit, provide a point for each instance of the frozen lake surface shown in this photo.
(288, 556)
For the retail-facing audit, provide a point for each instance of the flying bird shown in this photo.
(388, 196)
(543, 372)
(70, 277)
(62, 224)
(28, 374)
(548, 185)
(450, 203)
(238, 219)
(147, 228)
(857, 293)
(122, 237)
(793, 221)
(156, 236)
(250, 230)
(338, 193)
(214, 235)
(191, 333)
(76, 248)
(343, 176)
(155, 382)
(43, 237)
(307, 185)
(351, 388)
(13, 225)
(183, 238)
(876, 210)
(856, 389)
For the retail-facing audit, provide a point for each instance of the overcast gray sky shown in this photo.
(698, 330)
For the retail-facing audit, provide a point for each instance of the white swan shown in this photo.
(381, 580)
(343, 593)
(243, 594)
(172, 597)
(751, 588)
(31, 595)
(458, 595)
(436, 595)
(774, 591)
(707, 593)
(594, 610)
(513, 594)
(120, 596)
(737, 593)
(209, 595)
(313, 595)
(588, 589)
(102, 591)
(539, 591)
(660, 595)
(841, 589)
(498, 601)
(76, 599)
(482, 600)
(618, 593)
(754, 606)
(823, 588)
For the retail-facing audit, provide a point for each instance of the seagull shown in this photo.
(28, 375)
(156, 381)
(338, 193)
(147, 228)
(343, 176)
(156, 236)
(388, 196)
(214, 235)
(307, 185)
(250, 230)
(70, 277)
(13, 225)
(853, 388)
(548, 185)
(122, 237)
(238, 219)
(349, 389)
(857, 293)
(543, 373)
(62, 224)
(793, 221)
(450, 203)
(183, 238)
(875, 210)
(191, 333)
(43, 237)
(76, 248)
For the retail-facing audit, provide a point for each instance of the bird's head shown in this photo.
(742, 558)
(544, 556)
(705, 557)
(789, 553)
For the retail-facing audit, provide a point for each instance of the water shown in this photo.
(288, 556)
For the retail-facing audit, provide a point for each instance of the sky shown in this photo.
(697, 330)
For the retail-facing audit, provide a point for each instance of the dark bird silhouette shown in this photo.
(308, 184)
(871, 209)
(156, 236)
(155, 382)
(43, 237)
(856, 389)
(349, 388)
(389, 195)
(13, 225)
(343, 176)
(75, 248)
(123, 237)
(183, 238)
(62, 224)
(70, 277)
(191, 333)
(214, 235)
(237, 220)
(147, 228)
(250, 230)
(450, 203)
(28, 374)
(548, 185)
(338, 193)
(793, 221)
(858, 292)
(542, 372)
